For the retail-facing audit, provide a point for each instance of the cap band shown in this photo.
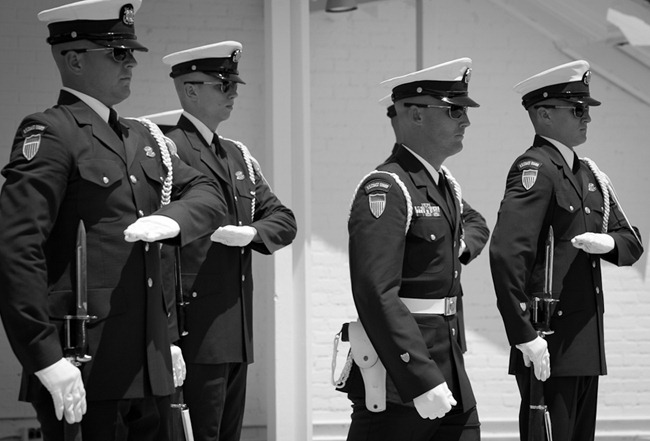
(438, 89)
(565, 91)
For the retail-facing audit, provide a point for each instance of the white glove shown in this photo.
(536, 351)
(594, 243)
(435, 403)
(233, 235)
(178, 365)
(152, 228)
(63, 381)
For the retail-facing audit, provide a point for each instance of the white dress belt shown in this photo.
(446, 306)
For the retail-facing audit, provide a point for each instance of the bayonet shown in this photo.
(76, 344)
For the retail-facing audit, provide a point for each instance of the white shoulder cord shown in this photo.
(407, 195)
(607, 189)
(165, 145)
(248, 159)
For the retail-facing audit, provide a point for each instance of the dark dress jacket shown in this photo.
(217, 279)
(571, 201)
(388, 263)
(81, 171)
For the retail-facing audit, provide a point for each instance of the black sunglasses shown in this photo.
(579, 110)
(119, 54)
(455, 112)
(224, 85)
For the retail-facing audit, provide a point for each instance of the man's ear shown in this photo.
(414, 114)
(74, 62)
(190, 91)
(543, 115)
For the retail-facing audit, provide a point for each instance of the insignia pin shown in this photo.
(149, 152)
(239, 175)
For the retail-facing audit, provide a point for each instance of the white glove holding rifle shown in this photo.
(536, 352)
(63, 380)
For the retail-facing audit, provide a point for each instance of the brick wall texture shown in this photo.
(350, 55)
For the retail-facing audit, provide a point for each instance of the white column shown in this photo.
(287, 120)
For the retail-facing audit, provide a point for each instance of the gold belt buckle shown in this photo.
(450, 305)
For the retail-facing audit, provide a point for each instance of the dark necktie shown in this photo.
(576, 163)
(114, 123)
(222, 160)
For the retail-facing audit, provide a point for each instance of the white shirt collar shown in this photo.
(432, 171)
(202, 128)
(99, 107)
(566, 152)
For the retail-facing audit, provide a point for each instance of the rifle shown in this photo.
(179, 406)
(75, 345)
(539, 418)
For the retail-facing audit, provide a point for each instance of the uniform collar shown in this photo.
(567, 153)
(100, 108)
(435, 174)
(205, 132)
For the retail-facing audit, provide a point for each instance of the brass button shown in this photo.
(133, 179)
(105, 179)
(559, 313)
(587, 210)
(150, 282)
(140, 213)
(433, 237)
(456, 274)
(194, 294)
(146, 246)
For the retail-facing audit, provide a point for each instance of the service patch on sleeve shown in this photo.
(529, 170)
(32, 142)
(377, 185)
(529, 164)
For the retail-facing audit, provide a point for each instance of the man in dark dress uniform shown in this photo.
(79, 163)
(548, 186)
(216, 270)
(410, 230)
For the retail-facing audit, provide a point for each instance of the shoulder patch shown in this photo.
(377, 185)
(31, 144)
(528, 178)
(34, 128)
(529, 164)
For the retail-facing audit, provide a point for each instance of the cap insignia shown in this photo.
(418, 90)
(468, 75)
(236, 55)
(586, 78)
(128, 14)
(73, 34)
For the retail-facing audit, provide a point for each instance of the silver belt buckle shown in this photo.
(450, 305)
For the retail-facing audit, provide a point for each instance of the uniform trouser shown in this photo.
(405, 424)
(216, 395)
(142, 419)
(572, 403)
